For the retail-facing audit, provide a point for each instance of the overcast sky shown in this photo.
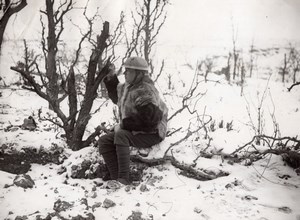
(194, 22)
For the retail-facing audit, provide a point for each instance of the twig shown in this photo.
(173, 132)
(295, 84)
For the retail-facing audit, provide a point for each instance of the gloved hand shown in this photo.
(111, 72)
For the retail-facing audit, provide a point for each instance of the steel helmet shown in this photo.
(137, 63)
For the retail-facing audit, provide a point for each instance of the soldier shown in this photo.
(143, 118)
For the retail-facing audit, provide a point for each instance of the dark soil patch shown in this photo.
(20, 163)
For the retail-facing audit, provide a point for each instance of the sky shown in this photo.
(193, 22)
(261, 20)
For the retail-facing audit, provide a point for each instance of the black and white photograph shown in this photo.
(149, 110)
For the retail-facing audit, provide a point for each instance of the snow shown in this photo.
(259, 191)
(248, 192)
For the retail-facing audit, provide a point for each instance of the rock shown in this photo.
(197, 210)
(61, 170)
(236, 182)
(86, 164)
(60, 206)
(89, 216)
(249, 197)
(127, 188)
(79, 171)
(144, 152)
(292, 159)
(205, 216)
(29, 124)
(24, 181)
(108, 203)
(285, 209)
(230, 162)
(24, 217)
(136, 215)
(93, 171)
(48, 217)
(84, 201)
(136, 172)
(96, 205)
(94, 195)
(7, 185)
(143, 188)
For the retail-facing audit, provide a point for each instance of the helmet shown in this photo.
(137, 63)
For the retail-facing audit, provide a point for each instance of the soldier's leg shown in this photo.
(108, 151)
(123, 140)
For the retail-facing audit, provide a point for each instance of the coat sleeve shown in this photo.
(111, 86)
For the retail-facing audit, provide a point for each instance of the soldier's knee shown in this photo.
(105, 144)
(122, 137)
(121, 132)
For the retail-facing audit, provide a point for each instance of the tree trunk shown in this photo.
(147, 33)
(284, 68)
(51, 74)
(8, 12)
(235, 58)
(294, 75)
(72, 103)
(92, 84)
(3, 24)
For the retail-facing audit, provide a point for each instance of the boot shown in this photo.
(123, 155)
(111, 162)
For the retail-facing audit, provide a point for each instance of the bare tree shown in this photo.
(235, 53)
(74, 123)
(209, 64)
(283, 71)
(29, 64)
(252, 58)
(294, 62)
(243, 76)
(149, 17)
(7, 9)
(226, 70)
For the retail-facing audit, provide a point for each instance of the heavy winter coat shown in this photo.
(140, 106)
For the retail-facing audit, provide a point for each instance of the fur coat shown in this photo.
(140, 107)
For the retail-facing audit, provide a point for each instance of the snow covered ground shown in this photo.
(268, 189)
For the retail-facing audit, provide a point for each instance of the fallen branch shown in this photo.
(278, 146)
(186, 169)
(295, 84)
(265, 138)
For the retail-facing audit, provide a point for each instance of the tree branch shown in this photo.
(295, 84)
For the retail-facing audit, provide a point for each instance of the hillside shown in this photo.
(247, 192)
